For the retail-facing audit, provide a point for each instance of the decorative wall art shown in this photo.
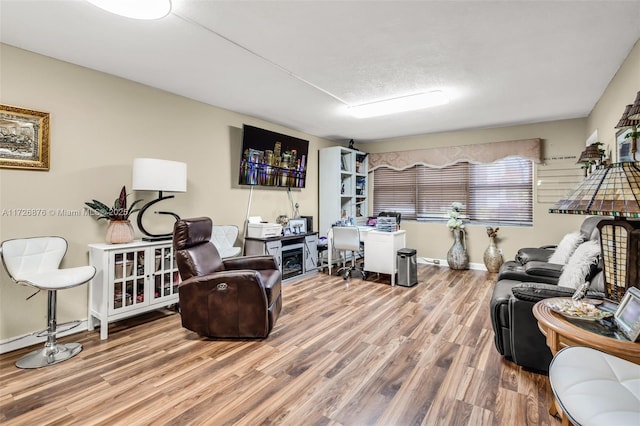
(24, 138)
(624, 142)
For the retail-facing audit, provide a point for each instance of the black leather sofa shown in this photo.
(519, 287)
(530, 264)
(516, 333)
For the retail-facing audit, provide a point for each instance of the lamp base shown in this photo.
(148, 236)
(158, 238)
(620, 244)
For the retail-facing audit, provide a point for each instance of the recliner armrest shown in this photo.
(529, 254)
(544, 269)
(250, 262)
(535, 292)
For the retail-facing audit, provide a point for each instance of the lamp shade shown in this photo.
(590, 153)
(634, 112)
(624, 120)
(150, 174)
(612, 190)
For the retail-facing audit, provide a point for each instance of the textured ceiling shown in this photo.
(299, 63)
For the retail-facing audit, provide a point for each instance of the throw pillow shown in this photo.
(566, 248)
(579, 267)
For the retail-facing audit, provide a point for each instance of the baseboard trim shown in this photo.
(18, 342)
(443, 263)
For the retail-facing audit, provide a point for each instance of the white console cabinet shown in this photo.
(130, 279)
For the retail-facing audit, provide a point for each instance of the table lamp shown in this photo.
(591, 155)
(151, 174)
(612, 190)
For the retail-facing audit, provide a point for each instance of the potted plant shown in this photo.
(119, 229)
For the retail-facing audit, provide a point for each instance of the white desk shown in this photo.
(380, 250)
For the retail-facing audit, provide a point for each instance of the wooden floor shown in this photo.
(342, 353)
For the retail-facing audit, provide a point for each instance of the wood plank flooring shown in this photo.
(342, 353)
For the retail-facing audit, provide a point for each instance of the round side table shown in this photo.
(562, 332)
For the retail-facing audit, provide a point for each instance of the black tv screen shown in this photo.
(272, 159)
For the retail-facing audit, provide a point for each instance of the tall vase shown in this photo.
(119, 232)
(492, 257)
(457, 256)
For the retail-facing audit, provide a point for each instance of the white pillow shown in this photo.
(566, 247)
(577, 269)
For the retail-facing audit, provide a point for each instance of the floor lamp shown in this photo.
(150, 174)
(612, 190)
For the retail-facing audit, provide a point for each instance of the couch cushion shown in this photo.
(543, 269)
(512, 270)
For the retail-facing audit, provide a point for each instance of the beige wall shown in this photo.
(560, 138)
(620, 92)
(99, 124)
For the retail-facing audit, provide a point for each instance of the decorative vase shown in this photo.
(119, 232)
(492, 257)
(457, 256)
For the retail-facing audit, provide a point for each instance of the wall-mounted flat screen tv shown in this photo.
(272, 159)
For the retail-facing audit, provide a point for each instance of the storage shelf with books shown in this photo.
(343, 187)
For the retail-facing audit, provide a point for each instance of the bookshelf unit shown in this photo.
(343, 187)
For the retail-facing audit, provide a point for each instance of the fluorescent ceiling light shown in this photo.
(401, 104)
(137, 9)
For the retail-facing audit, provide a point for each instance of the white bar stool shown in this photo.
(595, 388)
(35, 262)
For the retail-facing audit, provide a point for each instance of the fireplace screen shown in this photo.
(292, 261)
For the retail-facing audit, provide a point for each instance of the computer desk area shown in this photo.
(380, 250)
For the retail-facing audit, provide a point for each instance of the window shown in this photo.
(499, 192)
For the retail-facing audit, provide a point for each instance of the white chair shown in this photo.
(35, 262)
(224, 237)
(347, 240)
(595, 388)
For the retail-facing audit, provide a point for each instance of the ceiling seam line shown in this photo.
(269, 61)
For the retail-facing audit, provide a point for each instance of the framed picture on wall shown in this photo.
(624, 145)
(24, 138)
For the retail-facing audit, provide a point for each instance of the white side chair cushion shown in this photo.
(346, 238)
(595, 388)
(224, 237)
(58, 279)
(39, 254)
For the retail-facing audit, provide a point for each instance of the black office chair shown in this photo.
(347, 239)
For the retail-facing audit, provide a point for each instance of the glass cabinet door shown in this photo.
(165, 276)
(128, 284)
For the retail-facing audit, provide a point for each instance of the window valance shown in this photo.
(530, 149)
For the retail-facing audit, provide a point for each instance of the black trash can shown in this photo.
(407, 269)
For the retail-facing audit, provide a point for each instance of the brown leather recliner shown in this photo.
(224, 298)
